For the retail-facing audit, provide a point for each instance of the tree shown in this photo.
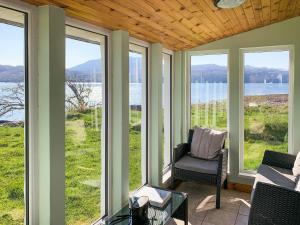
(13, 99)
(77, 100)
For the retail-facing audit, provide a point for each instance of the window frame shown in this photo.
(242, 52)
(188, 83)
(142, 48)
(30, 123)
(104, 38)
(169, 53)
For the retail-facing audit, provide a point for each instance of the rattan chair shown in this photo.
(275, 200)
(215, 173)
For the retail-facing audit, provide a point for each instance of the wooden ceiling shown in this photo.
(177, 24)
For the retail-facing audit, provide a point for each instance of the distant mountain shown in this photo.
(90, 71)
(215, 73)
(11, 73)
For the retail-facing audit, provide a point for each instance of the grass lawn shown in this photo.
(265, 128)
(83, 168)
(266, 124)
(11, 175)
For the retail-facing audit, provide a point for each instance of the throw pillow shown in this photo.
(207, 143)
(296, 168)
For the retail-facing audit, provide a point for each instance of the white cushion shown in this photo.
(296, 168)
(207, 143)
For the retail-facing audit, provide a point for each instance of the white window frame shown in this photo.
(242, 51)
(169, 116)
(104, 36)
(141, 47)
(188, 83)
(32, 42)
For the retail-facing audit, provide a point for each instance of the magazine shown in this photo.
(157, 197)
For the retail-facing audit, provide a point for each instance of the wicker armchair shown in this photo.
(215, 173)
(274, 197)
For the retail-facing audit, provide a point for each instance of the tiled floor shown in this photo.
(234, 206)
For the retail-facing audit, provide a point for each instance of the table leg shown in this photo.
(186, 212)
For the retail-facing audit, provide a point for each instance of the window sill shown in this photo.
(250, 175)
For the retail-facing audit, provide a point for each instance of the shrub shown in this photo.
(15, 193)
(276, 131)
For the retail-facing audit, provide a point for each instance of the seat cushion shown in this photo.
(197, 165)
(275, 175)
(207, 143)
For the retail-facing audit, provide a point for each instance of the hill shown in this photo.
(211, 72)
(90, 71)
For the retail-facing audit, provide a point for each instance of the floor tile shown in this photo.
(220, 217)
(202, 202)
(241, 220)
(244, 208)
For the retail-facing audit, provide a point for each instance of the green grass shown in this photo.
(11, 175)
(265, 128)
(83, 167)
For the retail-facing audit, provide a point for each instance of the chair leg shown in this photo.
(218, 197)
(225, 184)
(173, 184)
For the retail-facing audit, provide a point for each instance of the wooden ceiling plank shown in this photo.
(274, 10)
(283, 5)
(101, 16)
(257, 11)
(142, 19)
(205, 9)
(242, 17)
(168, 5)
(179, 28)
(291, 8)
(247, 7)
(148, 37)
(177, 24)
(297, 9)
(223, 16)
(236, 23)
(266, 10)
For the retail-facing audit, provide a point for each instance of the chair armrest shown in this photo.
(279, 159)
(180, 150)
(222, 165)
(274, 205)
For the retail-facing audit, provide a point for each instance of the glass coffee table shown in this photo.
(176, 207)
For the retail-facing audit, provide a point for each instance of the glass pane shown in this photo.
(266, 78)
(84, 126)
(209, 91)
(12, 117)
(166, 106)
(135, 119)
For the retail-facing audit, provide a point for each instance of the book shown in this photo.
(157, 197)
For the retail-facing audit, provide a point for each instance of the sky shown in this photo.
(77, 52)
(11, 45)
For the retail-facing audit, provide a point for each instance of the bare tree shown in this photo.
(78, 98)
(13, 99)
